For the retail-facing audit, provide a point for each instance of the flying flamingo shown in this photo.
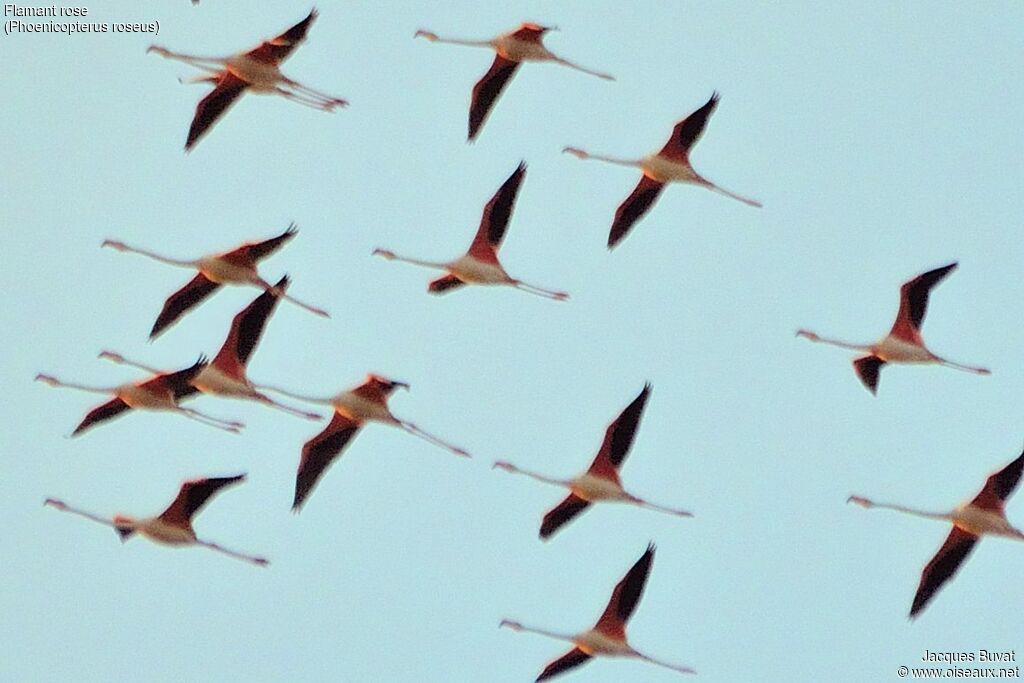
(161, 392)
(235, 267)
(226, 374)
(480, 264)
(174, 525)
(525, 44)
(367, 402)
(985, 514)
(670, 165)
(608, 637)
(601, 481)
(256, 70)
(903, 344)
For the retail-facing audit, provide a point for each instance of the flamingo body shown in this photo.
(471, 269)
(153, 397)
(594, 642)
(601, 480)
(978, 521)
(214, 380)
(367, 402)
(228, 268)
(157, 530)
(525, 44)
(903, 343)
(359, 407)
(894, 349)
(985, 514)
(664, 170)
(173, 526)
(608, 636)
(671, 164)
(593, 488)
(256, 70)
(514, 47)
(480, 264)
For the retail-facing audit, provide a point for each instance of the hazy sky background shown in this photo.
(884, 140)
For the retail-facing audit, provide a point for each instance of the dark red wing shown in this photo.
(569, 660)
(914, 297)
(180, 302)
(444, 283)
(487, 90)
(530, 32)
(999, 486)
(276, 50)
(247, 328)
(688, 131)
(101, 413)
(319, 452)
(943, 566)
(561, 514)
(627, 593)
(494, 221)
(193, 495)
(867, 368)
(178, 383)
(255, 251)
(633, 208)
(618, 438)
(213, 106)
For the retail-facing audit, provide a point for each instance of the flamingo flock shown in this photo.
(257, 70)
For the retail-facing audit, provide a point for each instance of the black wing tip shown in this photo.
(614, 240)
(283, 282)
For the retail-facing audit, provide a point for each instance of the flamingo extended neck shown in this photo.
(583, 154)
(194, 60)
(64, 507)
(868, 503)
(509, 467)
(121, 246)
(434, 38)
(833, 342)
(54, 382)
(392, 256)
(121, 360)
(516, 626)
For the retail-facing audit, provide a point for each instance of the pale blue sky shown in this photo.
(884, 140)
